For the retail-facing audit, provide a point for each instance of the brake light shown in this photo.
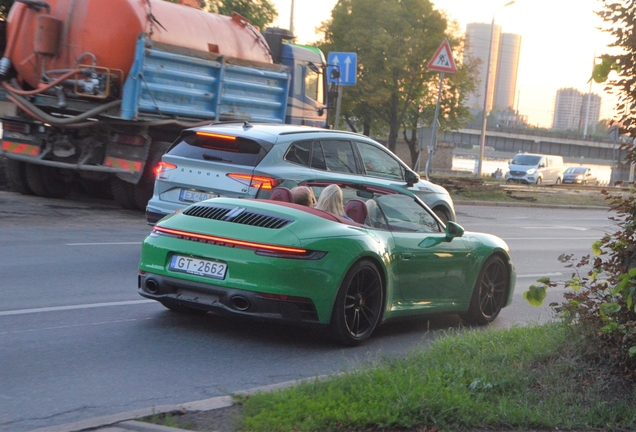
(163, 167)
(259, 182)
(213, 135)
(230, 242)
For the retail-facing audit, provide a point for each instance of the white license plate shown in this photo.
(194, 196)
(198, 266)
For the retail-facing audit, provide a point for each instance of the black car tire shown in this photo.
(442, 214)
(359, 304)
(558, 180)
(538, 182)
(489, 293)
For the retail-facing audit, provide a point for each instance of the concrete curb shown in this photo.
(126, 421)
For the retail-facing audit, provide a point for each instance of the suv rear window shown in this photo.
(234, 150)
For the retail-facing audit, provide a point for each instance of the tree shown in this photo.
(259, 13)
(393, 53)
(603, 299)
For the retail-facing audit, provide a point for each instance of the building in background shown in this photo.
(593, 114)
(507, 68)
(502, 79)
(504, 65)
(571, 109)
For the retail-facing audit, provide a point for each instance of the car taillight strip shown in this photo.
(262, 182)
(213, 135)
(241, 243)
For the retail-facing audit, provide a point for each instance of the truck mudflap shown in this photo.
(172, 81)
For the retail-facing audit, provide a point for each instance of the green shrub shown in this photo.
(603, 298)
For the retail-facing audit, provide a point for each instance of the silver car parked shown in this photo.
(243, 159)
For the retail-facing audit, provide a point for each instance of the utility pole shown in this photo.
(291, 18)
(589, 98)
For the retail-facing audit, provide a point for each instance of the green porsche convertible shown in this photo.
(391, 257)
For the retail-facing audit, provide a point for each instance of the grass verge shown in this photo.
(537, 377)
(487, 189)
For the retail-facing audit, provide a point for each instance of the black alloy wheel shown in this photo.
(489, 293)
(359, 304)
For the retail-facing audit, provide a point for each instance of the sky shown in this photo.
(559, 39)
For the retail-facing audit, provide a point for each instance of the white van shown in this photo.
(530, 168)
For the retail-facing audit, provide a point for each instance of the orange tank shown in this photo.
(106, 31)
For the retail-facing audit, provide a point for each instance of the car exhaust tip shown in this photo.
(240, 303)
(152, 286)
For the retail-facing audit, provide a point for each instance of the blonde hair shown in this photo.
(330, 200)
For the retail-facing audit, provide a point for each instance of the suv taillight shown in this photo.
(259, 182)
(162, 167)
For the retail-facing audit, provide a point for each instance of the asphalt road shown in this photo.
(76, 340)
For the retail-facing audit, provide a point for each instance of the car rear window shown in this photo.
(235, 151)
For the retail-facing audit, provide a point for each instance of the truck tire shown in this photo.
(143, 190)
(124, 193)
(15, 172)
(47, 182)
(96, 188)
(136, 197)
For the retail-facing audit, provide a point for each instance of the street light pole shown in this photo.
(291, 18)
(482, 137)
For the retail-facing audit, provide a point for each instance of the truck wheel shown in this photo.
(96, 188)
(124, 193)
(143, 190)
(47, 182)
(16, 176)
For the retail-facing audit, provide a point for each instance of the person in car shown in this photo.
(304, 196)
(330, 200)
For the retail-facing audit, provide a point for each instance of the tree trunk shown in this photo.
(413, 146)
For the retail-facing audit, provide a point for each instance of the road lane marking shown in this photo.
(552, 238)
(73, 307)
(103, 244)
(62, 327)
(542, 227)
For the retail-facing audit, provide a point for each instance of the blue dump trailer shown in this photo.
(106, 130)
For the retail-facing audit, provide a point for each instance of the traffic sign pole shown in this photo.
(442, 61)
(337, 120)
(433, 146)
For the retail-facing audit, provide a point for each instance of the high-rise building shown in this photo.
(593, 114)
(571, 109)
(507, 68)
(504, 64)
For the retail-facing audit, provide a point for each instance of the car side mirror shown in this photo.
(453, 230)
(411, 178)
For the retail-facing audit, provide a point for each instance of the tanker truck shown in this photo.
(99, 89)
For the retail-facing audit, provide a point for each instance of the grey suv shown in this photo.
(243, 159)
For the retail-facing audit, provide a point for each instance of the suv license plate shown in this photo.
(198, 266)
(194, 196)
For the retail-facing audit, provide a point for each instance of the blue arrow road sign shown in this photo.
(347, 63)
